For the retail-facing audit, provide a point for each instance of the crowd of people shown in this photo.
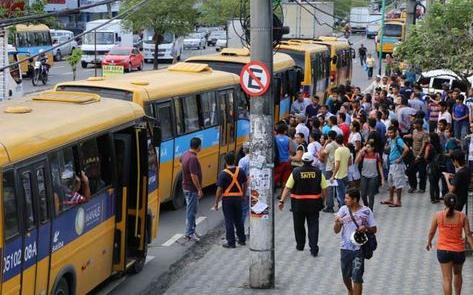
(391, 132)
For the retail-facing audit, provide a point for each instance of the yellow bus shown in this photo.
(394, 32)
(190, 100)
(74, 175)
(29, 40)
(314, 61)
(341, 55)
(286, 78)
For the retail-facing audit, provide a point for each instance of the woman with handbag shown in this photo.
(371, 171)
(354, 222)
(450, 243)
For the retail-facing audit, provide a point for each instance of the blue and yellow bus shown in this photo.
(189, 100)
(74, 186)
(29, 40)
(314, 62)
(286, 77)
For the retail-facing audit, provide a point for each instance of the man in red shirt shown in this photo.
(341, 121)
(192, 185)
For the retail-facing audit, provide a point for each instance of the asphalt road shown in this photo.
(170, 247)
(61, 71)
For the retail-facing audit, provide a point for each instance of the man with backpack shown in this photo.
(398, 150)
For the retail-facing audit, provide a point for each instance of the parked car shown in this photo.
(221, 43)
(432, 81)
(372, 30)
(60, 36)
(205, 31)
(128, 57)
(195, 41)
(214, 36)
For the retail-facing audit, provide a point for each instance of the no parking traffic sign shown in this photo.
(255, 78)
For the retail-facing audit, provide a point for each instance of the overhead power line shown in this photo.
(29, 18)
(122, 14)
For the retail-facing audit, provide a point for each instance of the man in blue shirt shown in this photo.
(397, 169)
(244, 165)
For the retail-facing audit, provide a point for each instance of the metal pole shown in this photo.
(411, 13)
(381, 43)
(95, 53)
(262, 161)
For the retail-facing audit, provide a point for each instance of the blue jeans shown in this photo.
(245, 207)
(341, 190)
(460, 128)
(192, 205)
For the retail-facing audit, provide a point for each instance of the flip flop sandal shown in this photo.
(394, 205)
(386, 202)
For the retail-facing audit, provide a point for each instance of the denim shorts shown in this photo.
(445, 256)
(353, 265)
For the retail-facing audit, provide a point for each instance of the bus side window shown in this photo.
(26, 182)
(164, 116)
(179, 116)
(90, 164)
(191, 114)
(63, 171)
(10, 208)
(104, 144)
(43, 195)
(243, 106)
(208, 109)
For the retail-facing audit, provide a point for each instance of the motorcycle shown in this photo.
(40, 72)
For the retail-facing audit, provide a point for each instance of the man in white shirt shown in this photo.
(301, 127)
(444, 113)
(300, 104)
(375, 84)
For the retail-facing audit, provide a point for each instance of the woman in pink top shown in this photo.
(450, 243)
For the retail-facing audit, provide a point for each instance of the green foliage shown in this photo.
(74, 60)
(36, 8)
(162, 16)
(442, 40)
(218, 12)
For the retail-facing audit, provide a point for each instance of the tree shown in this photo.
(74, 60)
(17, 8)
(161, 16)
(218, 12)
(442, 40)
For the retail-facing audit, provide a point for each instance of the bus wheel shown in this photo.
(178, 200)
(58, 56)
(62, 287)
(83, 64)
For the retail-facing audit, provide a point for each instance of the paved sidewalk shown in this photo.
(400, 265)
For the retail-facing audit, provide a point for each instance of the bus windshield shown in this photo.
(33, 39)
(103, 38)
(393, 30)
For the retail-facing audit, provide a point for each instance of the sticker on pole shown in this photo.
(255, 78)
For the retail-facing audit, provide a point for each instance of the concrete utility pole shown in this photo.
(262, 161)
(3, 63)
(411, 13)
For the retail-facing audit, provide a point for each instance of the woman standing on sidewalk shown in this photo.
(372, 168)
(450, 243)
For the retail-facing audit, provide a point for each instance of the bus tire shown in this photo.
(62, 287)
(83, 64)
(178, 199)
(58, 55)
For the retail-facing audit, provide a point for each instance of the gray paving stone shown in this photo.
(401, 264)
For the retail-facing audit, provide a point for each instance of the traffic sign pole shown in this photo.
(261, 147)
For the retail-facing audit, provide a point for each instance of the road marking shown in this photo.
(172, 240)
(149, 258)
(200, 219)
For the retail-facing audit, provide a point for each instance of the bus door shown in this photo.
(227, 123)
(34, 192)
(130, 237)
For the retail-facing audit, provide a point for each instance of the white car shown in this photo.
(60, 36)
(221, 43)
(432, 81)
(195, 41)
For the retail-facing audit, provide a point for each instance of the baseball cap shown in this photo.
(307, 157)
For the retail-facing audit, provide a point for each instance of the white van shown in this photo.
(171, 47)
(61, 36)
(97, 44)
(432, 81)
